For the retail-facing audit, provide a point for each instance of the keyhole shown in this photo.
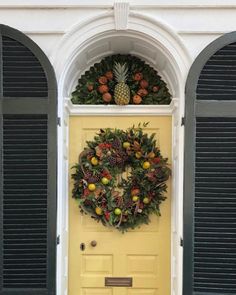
(82, 246)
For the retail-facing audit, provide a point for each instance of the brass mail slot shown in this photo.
(118, 282)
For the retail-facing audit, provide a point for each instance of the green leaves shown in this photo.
(123, 165)
(86, 91)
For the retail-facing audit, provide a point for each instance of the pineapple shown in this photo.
(122, 91)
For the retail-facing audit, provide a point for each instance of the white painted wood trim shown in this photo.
(149, 4)
(206, 33)
(115, 110)
(121, 13)
(143, 27)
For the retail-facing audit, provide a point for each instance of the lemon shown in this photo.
(146, 200)
(117, 211)
(98, 211)
(94, 161)
(92, 187)
(135, 198)
(146, 165)
(105, 180)
(138, 155)
(126, 144)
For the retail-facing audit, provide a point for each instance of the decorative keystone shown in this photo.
(121, 12)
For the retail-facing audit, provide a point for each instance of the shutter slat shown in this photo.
(25, 220)
(215, 206)
(18, 62)
(217, 78)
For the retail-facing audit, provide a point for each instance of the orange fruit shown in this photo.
(137, 99)
(103, 89)
(107, 97)
(138, 76)
(109, 75)
(144, 83)
(135, 191)
(102, 80)
(142, 92)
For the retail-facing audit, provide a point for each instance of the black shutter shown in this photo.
(28, 123)
(23, 75)
(210, 172)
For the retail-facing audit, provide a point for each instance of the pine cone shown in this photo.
(116, 144)
(124, 156)
(120, 161)
(94, 178)
(111, 160)
(87, 174)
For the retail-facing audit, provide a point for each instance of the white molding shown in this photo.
(199, 5)
(136, 4)
(93, 30)
(159, 35)
(39, 32)
(115, 110)
(207, 32)
(121, 13)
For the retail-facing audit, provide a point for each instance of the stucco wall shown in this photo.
(196, 22)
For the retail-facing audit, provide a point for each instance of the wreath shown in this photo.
(98, 84)
(120, 178)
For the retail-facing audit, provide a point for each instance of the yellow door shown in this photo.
(144, 253)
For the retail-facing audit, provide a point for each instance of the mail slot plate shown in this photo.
(118, 282)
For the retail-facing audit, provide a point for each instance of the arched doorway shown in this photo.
(210, 167)
(28, 195)
(150, 40)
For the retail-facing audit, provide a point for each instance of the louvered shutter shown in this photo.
(28, 123)
(210, 172)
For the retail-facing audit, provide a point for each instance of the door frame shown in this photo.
(72, 48)
(167, 110)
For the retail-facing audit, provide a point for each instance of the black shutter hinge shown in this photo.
(181, 242)
(58, 239)
(182, 121)
(58, 121)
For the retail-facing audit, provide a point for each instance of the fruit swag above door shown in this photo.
(121, 79)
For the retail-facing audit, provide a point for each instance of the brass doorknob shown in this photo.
(93, 243)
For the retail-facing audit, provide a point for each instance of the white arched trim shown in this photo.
(144, 29)
(88, 42)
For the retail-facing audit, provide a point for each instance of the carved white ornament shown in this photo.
(121, 13)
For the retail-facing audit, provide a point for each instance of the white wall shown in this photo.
(46, 21)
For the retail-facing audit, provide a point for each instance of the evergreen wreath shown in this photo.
(97, 85)
(120, 178)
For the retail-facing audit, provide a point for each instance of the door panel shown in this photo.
(144, 253)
